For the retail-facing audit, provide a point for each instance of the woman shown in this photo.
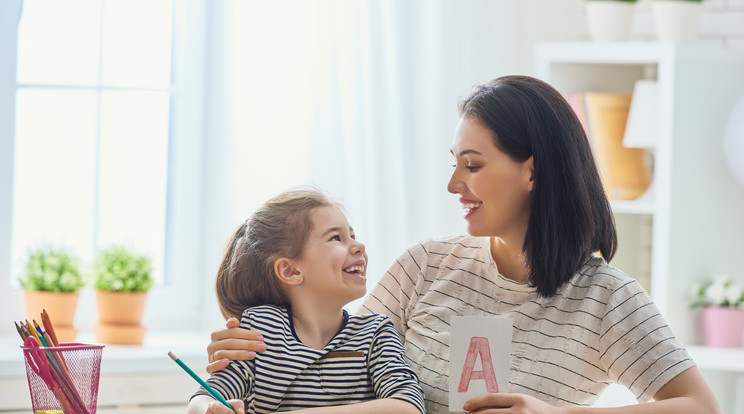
(536, 214)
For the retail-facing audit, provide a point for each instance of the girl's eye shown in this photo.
(353, 236)
(336, 238)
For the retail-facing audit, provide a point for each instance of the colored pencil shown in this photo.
(32, 331)
(47, 322)
(20, 332)
(48, 326)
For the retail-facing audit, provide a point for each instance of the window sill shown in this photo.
(151, 357)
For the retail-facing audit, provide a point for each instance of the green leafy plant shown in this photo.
(722, 292)
(116, 268)
(52, 269)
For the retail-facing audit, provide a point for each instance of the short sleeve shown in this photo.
(637, 347)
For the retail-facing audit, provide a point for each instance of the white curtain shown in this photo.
(359, 99)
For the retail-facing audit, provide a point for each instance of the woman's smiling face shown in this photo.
(494, 188)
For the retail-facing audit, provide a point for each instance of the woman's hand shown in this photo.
(231, 344)
(508, 403)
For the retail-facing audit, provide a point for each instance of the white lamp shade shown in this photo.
(642, 129)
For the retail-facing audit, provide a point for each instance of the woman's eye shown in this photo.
(473, 168)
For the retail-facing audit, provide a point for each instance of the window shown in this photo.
(98, 139)
(92, 116)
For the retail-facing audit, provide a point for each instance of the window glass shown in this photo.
(55, 170)
(92, 133)
(133, 174)
(137, 43)
(58, 42)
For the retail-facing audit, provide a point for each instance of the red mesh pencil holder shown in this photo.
(64, 378)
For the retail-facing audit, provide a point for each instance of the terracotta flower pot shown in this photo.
(724, 326)
(120, 316)
(109, 333)
(60, 306)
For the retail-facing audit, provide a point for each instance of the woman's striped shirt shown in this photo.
(600, 327)
(363, 361)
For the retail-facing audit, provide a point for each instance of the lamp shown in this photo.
(642, 126)
(642, 129)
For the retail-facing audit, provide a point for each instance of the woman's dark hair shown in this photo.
(570, 215)
(277, 229)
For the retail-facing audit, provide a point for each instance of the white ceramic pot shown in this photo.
(608, 20)
(676, 21)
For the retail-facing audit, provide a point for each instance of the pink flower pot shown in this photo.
(724, 327)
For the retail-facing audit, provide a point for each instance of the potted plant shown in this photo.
(723, 316)
(609, 20)
(121, 279)
(52, 282)
(677, 21)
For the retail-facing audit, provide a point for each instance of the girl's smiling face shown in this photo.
(333, 262)
(494, 188)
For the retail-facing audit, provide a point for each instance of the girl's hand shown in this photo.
(232, 344)
(216, 407)
(508, 403)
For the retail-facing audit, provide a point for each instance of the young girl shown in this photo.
(289, 271)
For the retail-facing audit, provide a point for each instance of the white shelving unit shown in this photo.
(692, 226)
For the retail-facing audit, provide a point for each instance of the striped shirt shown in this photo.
(600, 327)
(363, 361)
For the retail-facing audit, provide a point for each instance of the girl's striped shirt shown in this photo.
(363, 361)
(600, 327)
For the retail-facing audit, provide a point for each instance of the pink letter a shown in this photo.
(478, 346)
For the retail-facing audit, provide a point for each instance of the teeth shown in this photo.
(352, 269)
(469, 206)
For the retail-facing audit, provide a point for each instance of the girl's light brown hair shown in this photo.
(277, 229)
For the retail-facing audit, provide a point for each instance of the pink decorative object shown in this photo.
(724, 326)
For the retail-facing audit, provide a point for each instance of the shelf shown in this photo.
(623, 53)
(718, 359)
(694, 195)
(151, 357)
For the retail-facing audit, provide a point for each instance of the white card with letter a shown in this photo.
(480, 356)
